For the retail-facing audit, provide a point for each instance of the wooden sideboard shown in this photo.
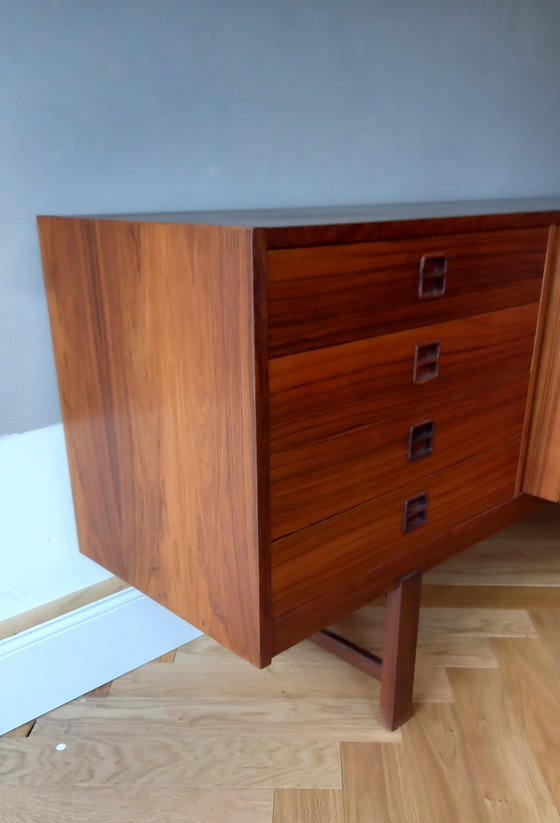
(274, 416)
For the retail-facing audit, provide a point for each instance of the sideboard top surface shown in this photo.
(319, 225)
(372, 213)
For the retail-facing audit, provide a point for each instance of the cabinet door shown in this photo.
(542, 465)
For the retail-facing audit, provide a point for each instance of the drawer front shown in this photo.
(316, 560)
(316, 481)
(325, 295)
(319, 394)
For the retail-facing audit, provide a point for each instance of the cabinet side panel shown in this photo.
(153, 327)
(542, 464)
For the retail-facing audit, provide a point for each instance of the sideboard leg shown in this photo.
(399, 651)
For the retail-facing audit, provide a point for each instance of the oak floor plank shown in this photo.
(479, 622)
(447, 650)
(534, 568)
(308, 806)
(327, 677)
(436, 649)
(117, 804)
(535, 687)
(247, 719)
(525, 554)
(100, 691)
(513, 785)
(461, 640)
(490, 597)
(20, 731)
(439, 761)
(547, 624)
(375, 784)
(429, 778)
(191, 762)
(169, 657)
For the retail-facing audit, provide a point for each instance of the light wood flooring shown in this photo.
(202, 736)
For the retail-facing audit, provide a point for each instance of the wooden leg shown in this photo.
(396, 669)
(399, 651)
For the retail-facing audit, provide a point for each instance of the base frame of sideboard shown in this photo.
(396, 668)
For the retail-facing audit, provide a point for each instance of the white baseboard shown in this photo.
(57, 661)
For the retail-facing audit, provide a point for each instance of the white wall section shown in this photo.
(38, 542)
(139, 105)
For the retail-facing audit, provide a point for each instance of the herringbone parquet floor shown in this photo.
(209, 739)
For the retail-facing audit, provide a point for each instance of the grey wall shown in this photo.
(131, 105)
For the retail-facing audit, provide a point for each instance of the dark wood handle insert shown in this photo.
(432, 277)
(426, 362)
(415, 512)
(420, 440)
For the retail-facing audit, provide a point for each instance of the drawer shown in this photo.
(311, 562)
(325, 295)
(316, 481)
(314, 395)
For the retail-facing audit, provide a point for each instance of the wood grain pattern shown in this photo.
(356, 592)
(513, 785)
(430, 777)
(169, 657)
(204, 669)
(308, 806)
(399, 651)
(270, 718)
(533, 683)
(20, 731)
(318, 394)
(444, 776)
(118, 804)
(157, 761)
(439, 619)
(322, 557)
(491, 597)
(160, 414)
(547, 624)
(442, 641)
(376, 785)
(315, 481)
(537, 346)
(328, 295)
(361, 224)
(542, 469)
(100, 691)
(532, 546)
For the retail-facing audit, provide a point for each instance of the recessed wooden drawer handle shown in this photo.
(431, 282)
(420, 440)
(415, 512)
(426, 362)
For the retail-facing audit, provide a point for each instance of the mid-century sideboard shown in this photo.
(273, 417)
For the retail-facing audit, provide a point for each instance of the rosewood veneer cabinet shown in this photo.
(273, 417)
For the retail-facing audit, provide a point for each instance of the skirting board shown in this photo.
(46, 666)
